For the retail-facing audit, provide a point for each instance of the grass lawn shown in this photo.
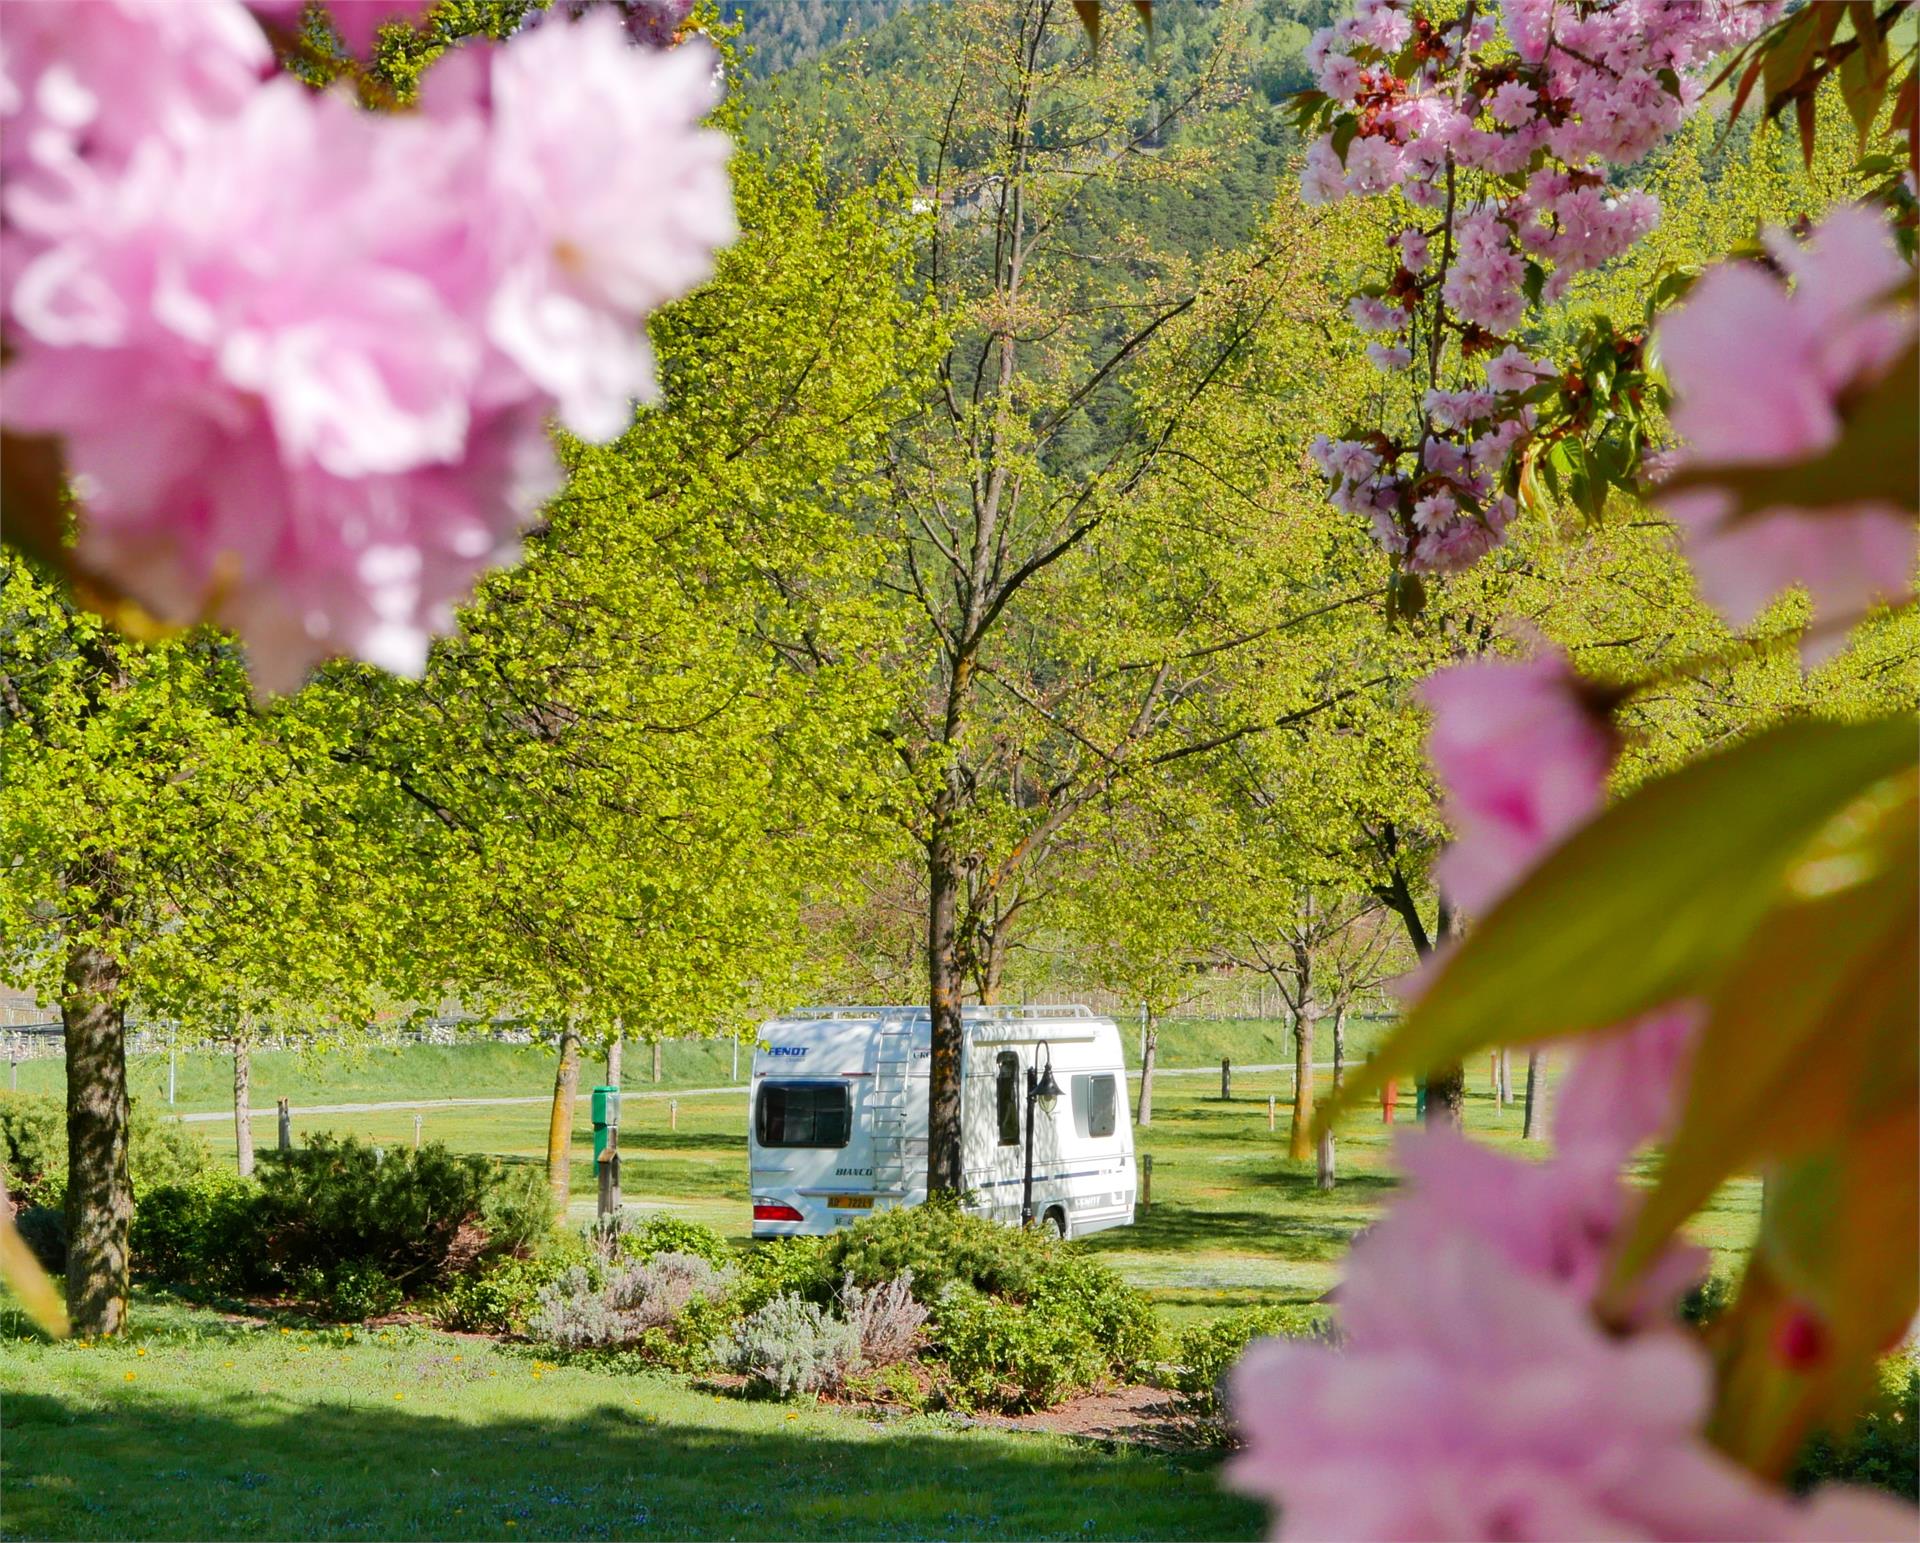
(200, 1428)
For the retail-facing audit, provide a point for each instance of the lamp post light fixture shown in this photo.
(1041, 1088)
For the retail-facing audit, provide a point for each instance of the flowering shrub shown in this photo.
(887, 1322)
(300, 355)
(576, 1312)
(789, 1346)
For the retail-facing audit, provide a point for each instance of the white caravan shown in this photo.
(838, 1123)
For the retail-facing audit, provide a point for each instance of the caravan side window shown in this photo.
(1006, 1097)
(1093, 1105)
(803, 1114)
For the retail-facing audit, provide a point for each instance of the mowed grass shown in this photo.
(197, 1427)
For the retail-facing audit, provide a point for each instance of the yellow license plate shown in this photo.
(849, 1202)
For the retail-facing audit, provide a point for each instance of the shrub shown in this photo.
(1707, 1300)
(1206, 1352)
(498, 1299)
(1005, 1355)
(517, 1211)
(576, 1312)
(663, 1234)
(790, 1345)
(401, 1211)
(888, 1324)
(33, 1149)
(942, 1246)
(783, 1267)
(43, 1228)
(1120, 1319)
(205, 1231)
(351, 1293)
(1881, 1448)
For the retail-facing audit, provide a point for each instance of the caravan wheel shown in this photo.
(1055, 1222)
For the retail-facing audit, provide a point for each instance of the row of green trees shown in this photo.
(968, 622)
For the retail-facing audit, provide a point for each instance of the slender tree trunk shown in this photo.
(1150, 1048)
(614, 1047)
(1324, 1178)
(944, 997)
(656, 1061)
(566, 1085)
(99, 1189)
(1339, 1041)
(1506, 1076)
(1305, 1021)
(1536, 1115)
(243, 1104)
(1446, 1085)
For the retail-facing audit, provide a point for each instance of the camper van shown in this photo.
(838, 1120)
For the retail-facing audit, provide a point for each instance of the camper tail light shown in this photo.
(774, 1211)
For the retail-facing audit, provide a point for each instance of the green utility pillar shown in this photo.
(606, 1146)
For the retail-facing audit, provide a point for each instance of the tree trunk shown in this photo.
(243, 1104)
(566, 1085)
(1506, 1076)
(1339, 1041)
(1150, 1048)
(656, 1061)
(1324, 1178)
(1536, 1115)
(943, 1007)
(1446, 1085)
(614, 1046)
(1447, 1095)
(99, 1189)
(1305, 1021)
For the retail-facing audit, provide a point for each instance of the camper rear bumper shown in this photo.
(815, 1213)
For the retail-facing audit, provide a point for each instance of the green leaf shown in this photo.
(1646, 904)
(1344, 128)
(1873, 460)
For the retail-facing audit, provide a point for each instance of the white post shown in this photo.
(734, 1075)
(170, 1079)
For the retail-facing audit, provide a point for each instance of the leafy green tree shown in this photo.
(171, 849)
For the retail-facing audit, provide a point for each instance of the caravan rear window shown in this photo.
(802, 1114)
(1093, 1105)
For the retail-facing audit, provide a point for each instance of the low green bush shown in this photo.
(943, 1246)
(1204, 1353)
(402, 1211)
(663, 1234)
(790, 1346)
(516, 1211)
(33, 1149)
(1077, 1288)
(499, 1298)
(1881, 1447)
(43, 1228)
(783, 1267)
(205, 1231)
(1003, 1354)
(350, 1293)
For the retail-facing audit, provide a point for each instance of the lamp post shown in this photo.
(1040, 1088)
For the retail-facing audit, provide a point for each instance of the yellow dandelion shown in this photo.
(286, 1331)
(456, 1358)
(398, 1397)
(228, 1365)
(793, 1414)
(141, 1351)
(130, 1376)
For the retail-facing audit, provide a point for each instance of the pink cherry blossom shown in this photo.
(1513, 370)
(1513, 104)
(1475, 1400)
(300, 355)
(1523, 758)
(1389, 357)
(1623, 1088)
(1413, 249)
(1761, 376)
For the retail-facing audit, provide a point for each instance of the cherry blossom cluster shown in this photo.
(1500, 141)
(1764, 375)
(301, 356)
(1476, 1394)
